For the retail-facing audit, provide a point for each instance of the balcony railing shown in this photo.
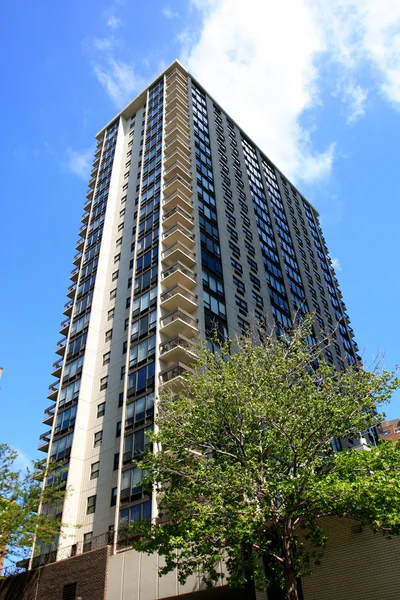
(65, 552)
(177, 142)
(179, 252)
(178, 273)
(180, 169)
(177, 342)
(49, 414)
(178, 232)
(178, 315)
(178, 289)
(174, 373)
(177, 215)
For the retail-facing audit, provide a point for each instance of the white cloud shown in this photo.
(169, 13)
(113, 22)
(259, 64)
(355, 98)
(80, 162)
(118, 78)
(336, 264)
(262, 62)
(366, 32)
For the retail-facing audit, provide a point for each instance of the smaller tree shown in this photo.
(21, 494)
(245, 467)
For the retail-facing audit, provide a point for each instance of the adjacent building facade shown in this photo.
(390, 429)
(187, 227)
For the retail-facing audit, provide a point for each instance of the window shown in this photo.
(113, 294)
(110, 314)
(94, 470)
(119, 241)
(131, 485)
(106, 358)
(98, 438)
(136, 513)
(65, 419)
(115, 275)
(91, 505)
(113, 497)
(108, 335)
(69, 589)
(101, 409)
(241, 304)
(116, 461)
(103, 383)
(120, 399)
(117, 258)
(118, 430)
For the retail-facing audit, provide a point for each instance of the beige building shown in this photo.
(187, 226)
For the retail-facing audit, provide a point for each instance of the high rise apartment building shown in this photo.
(187, 226)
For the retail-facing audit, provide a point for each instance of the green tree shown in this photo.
(21, 494)
(245, 467)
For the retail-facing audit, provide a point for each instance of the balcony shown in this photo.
(178, 273)
(65, 326)
(49, 414)
(178, 199)
(176, 109)
(178, 252)
(178, 233)
(176, 84)
(85, 217)
(177, 216)
(77, 258)
(178, 296)
(176, 143)
(177, 154)
(177, 183)
(176, 75)
(68, 308)
(71, 290)
(53, 390)
(92, 182)
(179, 169)
(177, 131)
(178, 349)
(44, 445)
(60, 350)
(173, 377)
(57, 367)
(87, 206)
(178, 321)
(74, 274)
(89, 194)
(80, 244)
(177, 120)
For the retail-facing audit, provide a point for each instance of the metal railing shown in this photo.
(63, 552)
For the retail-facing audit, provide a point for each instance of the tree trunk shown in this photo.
(289, 570)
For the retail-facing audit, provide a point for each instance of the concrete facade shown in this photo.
(187, 225)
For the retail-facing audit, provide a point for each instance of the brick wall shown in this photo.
(88, 570)
(357, 565)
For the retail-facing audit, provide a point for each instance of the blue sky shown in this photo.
(316, 86)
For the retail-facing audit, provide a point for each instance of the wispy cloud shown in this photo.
(23, 461)
(356, 98)
(336, 264)
(169, 13)
(80, 162)
(113, 22)
(118, 78)
(265, 65)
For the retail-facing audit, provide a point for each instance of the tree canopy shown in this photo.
(21, 494)
(244, 464)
